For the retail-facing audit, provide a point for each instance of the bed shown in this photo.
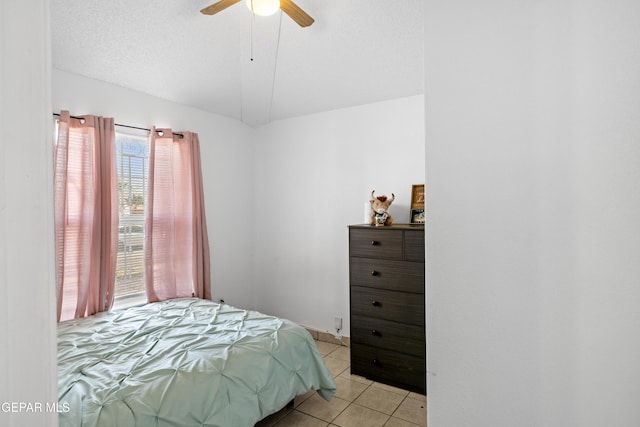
(183, 362)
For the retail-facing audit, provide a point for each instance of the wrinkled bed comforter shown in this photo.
(183, 362)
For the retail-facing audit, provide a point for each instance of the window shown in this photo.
(132, 158)
(86, 175)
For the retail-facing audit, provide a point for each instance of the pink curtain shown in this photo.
(86, 215)
(176, 244)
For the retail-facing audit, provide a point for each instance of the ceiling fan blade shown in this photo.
(293, 10)
(217, 7)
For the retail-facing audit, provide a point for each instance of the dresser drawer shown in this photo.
(389, 367)
(409, 339)
(390, 305)
(376, 243)
(387, 274)
(414, 245)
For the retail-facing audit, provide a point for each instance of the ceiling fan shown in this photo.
(265, 8)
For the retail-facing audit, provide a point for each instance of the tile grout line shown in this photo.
(400, 404)
(350, 402)
(396, 410)
(353, 401)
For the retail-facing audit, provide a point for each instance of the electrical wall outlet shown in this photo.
(337, 323)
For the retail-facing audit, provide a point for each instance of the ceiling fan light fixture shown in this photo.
(263, 7)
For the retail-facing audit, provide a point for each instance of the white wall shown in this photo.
(340, 156)
(227, 167)
(533, 255)
(27, 295)
(313, 176)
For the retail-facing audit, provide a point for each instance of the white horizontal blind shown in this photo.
(132, 156)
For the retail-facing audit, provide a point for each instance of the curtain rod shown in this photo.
(124, 126)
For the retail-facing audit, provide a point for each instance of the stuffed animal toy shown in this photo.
(379, 214)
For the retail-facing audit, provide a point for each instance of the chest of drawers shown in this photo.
(386, 274)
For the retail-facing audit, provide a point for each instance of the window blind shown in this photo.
(132, 156)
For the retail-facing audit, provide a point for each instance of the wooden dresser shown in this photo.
(386, 270)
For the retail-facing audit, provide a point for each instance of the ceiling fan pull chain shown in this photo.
(253, 18)
(275, 67)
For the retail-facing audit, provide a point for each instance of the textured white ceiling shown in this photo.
(356, 52)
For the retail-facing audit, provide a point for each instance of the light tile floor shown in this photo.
(357, 402)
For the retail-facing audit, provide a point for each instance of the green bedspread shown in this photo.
(183, 362)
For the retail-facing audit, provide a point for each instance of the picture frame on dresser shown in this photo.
(417, 196)
(417, 213)
(417, 216)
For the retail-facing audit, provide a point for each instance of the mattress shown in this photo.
(183, 362)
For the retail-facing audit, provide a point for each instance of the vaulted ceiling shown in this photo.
(254, 69)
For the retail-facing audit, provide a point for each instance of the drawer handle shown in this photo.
(375, 303)
(375, 243)
(375, 362)
(376, 333)
(375, 273)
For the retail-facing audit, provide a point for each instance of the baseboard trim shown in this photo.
(327, 337)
